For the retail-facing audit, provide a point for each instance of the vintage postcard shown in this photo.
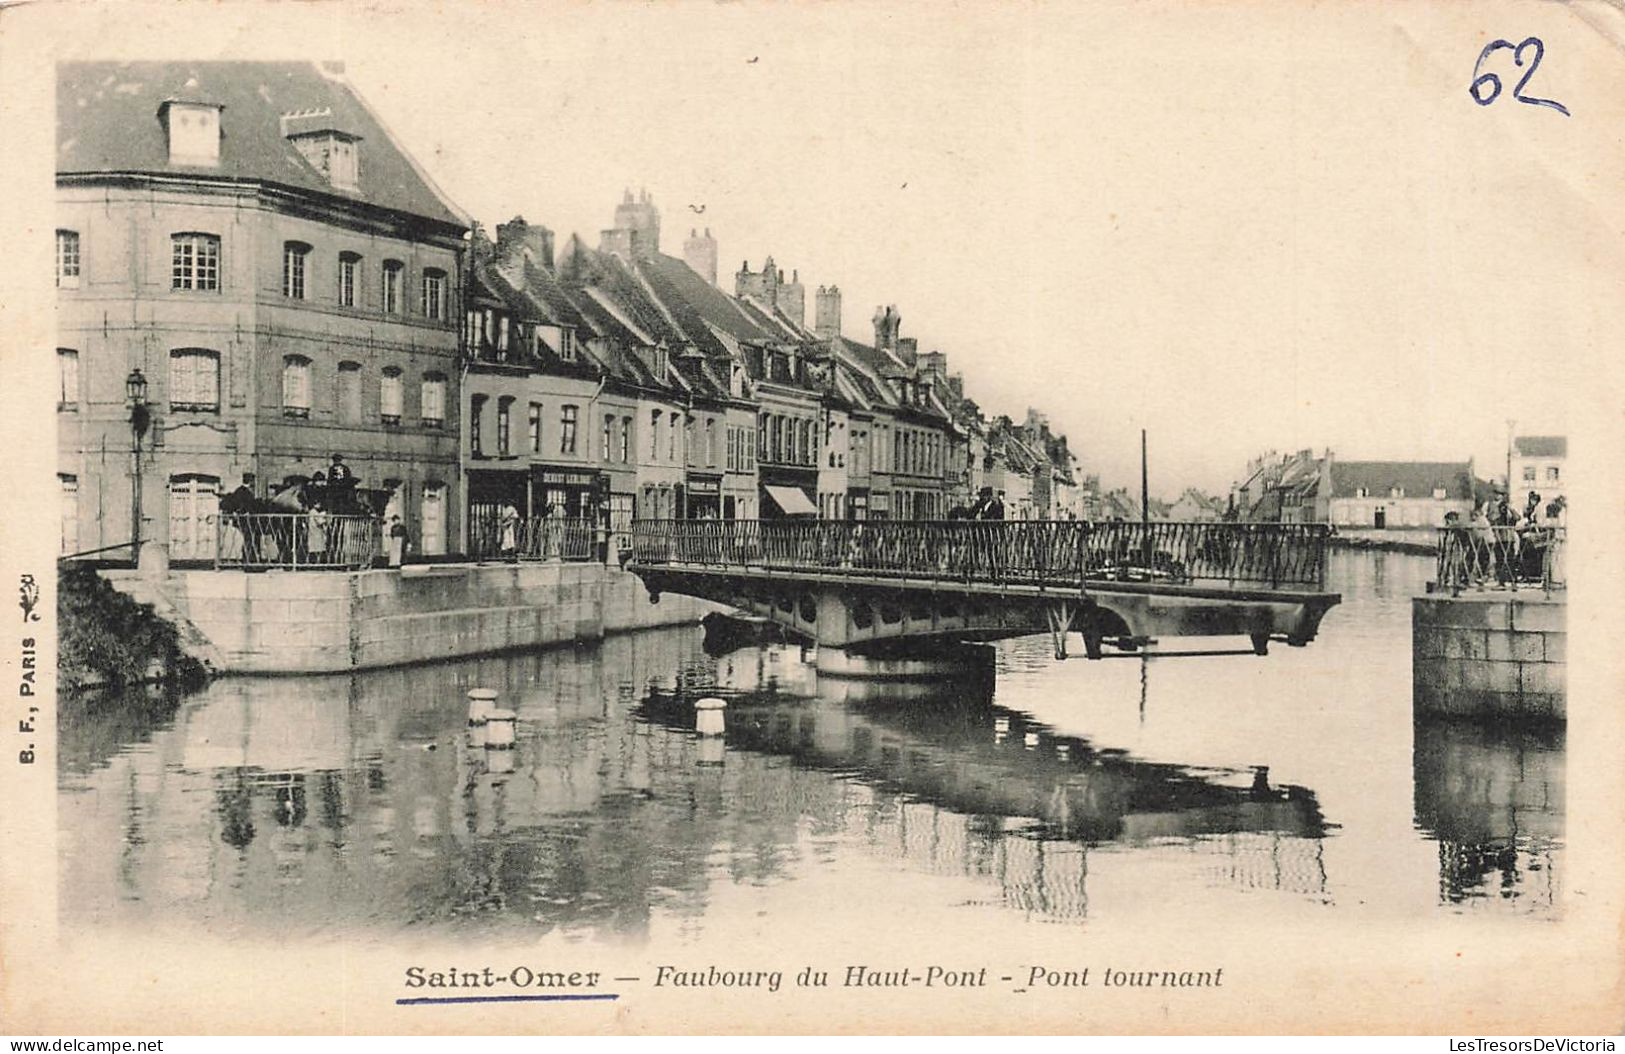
(813, 518)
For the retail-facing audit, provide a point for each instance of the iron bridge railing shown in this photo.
(1529, 557)
(492, 537)
(296, 541)
(1059, 552)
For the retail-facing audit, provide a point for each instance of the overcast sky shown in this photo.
(1239, 231)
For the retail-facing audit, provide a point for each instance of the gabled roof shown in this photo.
(859, 359)
(108, 122)
(1417, 478)
(697, 305)
(1542, 446)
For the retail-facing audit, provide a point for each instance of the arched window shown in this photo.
(194, 261)
(294, 257)
(393, 275)
(434, 400)
(296, 386)
(349, 278)
(434, 294)
(389, 395)
(194, 380)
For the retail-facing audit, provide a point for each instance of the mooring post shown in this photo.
(499, 729)
(709, 723)
(708, 716)
(481, 701)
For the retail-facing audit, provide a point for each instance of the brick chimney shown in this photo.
(516, 237)
(887, 322)
(827, 312)
(700, 253)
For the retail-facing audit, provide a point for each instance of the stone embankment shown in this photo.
(286, 622)
(1498, 655)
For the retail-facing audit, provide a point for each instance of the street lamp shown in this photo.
(135, 390)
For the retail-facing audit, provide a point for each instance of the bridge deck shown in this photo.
(851, 584)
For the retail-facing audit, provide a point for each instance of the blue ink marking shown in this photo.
(1494, 82)
(443, 1000)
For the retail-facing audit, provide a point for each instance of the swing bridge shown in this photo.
(895, 588)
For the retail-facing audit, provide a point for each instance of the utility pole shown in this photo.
(1145, 504)
(1511, 424)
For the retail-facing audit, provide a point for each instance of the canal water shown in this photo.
(1229, 789)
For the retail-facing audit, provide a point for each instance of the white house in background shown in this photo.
(1391, 494)
(1538, 465)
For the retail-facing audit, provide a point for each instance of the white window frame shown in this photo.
(194, 262)
(433, 402)
(433, 302)
(69, 487)
(349, 279)
(392, 279)
(194, 380)
(296, 386)
(391, 397)
(67, 259)
(295, 270)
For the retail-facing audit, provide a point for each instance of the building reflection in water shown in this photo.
(311, 805)
(1492, 797)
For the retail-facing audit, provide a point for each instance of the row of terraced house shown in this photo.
(248, 246)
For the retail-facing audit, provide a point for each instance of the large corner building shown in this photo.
(253, 241)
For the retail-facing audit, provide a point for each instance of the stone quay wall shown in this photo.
(286, 622)
(1494, 655)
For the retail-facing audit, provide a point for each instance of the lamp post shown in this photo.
(135, 390)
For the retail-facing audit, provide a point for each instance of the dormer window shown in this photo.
(333, 153)
(1396, 492)
(194, 132)
(567, 344)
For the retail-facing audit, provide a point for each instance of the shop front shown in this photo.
(703, 496)
(489, 492)
(571, 493)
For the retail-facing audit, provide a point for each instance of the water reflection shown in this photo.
(1493, 798)
(320, 806)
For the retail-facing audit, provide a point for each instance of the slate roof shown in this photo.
(698, 306)
(108, 121)
(1541, 446)
(1417, 478)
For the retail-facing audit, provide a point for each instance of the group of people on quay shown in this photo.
(1503, 545)
(322, 520)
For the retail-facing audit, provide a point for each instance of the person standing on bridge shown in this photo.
(509, 524)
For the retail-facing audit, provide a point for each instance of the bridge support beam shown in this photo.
(936, 662)
(1058, 616)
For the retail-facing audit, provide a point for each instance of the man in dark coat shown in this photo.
(240, 504)
(340, 486)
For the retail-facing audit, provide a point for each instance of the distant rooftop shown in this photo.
(1542, 446)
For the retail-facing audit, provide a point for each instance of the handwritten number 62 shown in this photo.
(1480, 80)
